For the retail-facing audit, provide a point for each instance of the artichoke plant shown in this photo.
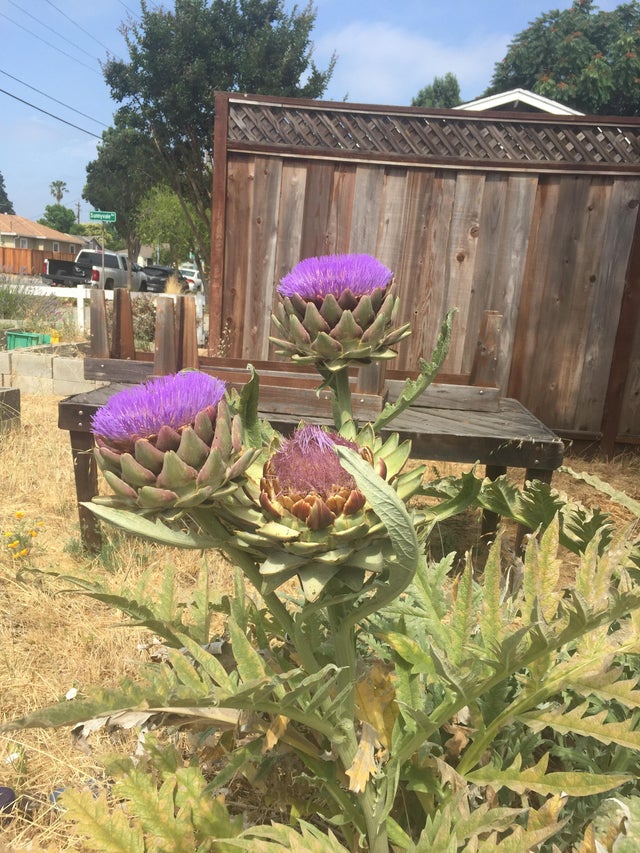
(309, 519)
(170, 443)
(337, 309)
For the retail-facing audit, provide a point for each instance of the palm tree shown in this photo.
(58, 189)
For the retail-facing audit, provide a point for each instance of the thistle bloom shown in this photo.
(337, 309)
(315, 278)
(305, 478)
(170, 443)
(165, 401)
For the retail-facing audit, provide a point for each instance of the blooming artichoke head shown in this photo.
(168, 443)
(313, 521)
(337, 309)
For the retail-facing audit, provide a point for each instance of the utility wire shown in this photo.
(76, 24)
(51, 98)
(55, 32)
(130, 11)
(52, 115)
(63, 52)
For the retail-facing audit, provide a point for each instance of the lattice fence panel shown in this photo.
(458, 137)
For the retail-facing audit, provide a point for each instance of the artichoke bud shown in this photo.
(171, 443)
(327, 534)
(337, 309)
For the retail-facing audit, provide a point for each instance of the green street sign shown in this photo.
(102, 215)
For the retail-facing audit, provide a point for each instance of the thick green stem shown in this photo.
(338, 382)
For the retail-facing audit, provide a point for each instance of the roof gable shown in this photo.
(21, 227)
(515, 98)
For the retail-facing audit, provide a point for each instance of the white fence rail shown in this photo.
(82, 295)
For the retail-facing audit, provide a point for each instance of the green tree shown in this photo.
(5, 205)
(162, 221)
(588, 59)
(57, 190)
(125, 169)
(443, 92)
(59, 217)
(177, 61)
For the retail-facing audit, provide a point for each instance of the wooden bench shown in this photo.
(459, 418)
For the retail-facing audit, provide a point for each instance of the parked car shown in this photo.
(88, 267)
(193, 278)
(157, 277)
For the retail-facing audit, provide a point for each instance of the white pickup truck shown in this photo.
(88, 269)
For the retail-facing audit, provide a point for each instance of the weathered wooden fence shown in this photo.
(534, 216)
(27, 261)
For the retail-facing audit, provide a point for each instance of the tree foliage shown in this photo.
(125, 169)
(58, 189)
(59, 217)
(177, 61)
(586, 58)
(443, 92)
(161, 221)
(5, 205)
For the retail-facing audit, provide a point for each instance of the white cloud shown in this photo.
(380, 63)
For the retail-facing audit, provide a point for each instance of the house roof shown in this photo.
(519, 99)
(21, 227)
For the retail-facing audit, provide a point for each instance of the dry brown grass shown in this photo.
(51, 641)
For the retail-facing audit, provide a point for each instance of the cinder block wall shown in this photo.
(44, 370)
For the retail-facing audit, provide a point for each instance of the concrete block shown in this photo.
(9, 408)
(36, 365)
(68, 369)
(5, 362)
(29, 384)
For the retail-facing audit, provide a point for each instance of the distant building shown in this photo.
(519, 100)
(16, 232)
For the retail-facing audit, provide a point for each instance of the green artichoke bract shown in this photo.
(170, 443)
(313, 520)
(338, 309)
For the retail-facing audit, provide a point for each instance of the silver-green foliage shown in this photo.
(468, 664)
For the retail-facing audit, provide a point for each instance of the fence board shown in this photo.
(261, 250)
(240, 176)
(461, 256)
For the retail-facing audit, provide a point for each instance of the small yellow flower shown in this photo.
(39, 523)
(16, 556)
(14, 544)
(33, 533)
(24, 552)
(19, 513)
(9, 533)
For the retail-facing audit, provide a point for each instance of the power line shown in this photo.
(52, 115)
(130, 11)
(63, 52)
(76, 24)
(51, 98)
(55, 32)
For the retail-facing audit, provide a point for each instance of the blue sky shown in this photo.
(387, 51)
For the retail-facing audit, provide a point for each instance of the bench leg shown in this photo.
(489, 522)
(86, 476)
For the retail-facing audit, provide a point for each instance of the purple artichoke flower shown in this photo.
(165, 401)
(316, 278)
(170, 443)
(337, 309)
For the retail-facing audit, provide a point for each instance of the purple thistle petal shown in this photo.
(315, 278)
(171, 401)
(308, 463)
